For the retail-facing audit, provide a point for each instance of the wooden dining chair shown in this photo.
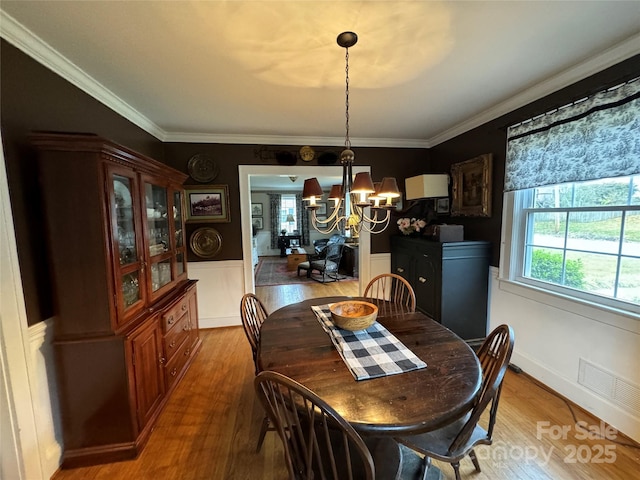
(392, 288)
(253, 315)
(455, 441)
(318, 442)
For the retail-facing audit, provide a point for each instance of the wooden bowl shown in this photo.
(353, 315)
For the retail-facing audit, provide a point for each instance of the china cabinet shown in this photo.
(450, 280)
(126, 322)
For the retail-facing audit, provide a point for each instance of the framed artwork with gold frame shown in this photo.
(207, 203)
(472, 187)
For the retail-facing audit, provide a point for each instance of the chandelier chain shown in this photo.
(347, 141)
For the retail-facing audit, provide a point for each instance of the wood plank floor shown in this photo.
(210, 424)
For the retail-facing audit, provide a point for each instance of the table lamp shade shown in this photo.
(427, 186)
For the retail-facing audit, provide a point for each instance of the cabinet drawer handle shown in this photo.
(170, 320)
(186, 328)
(174, 372)
(187, 352)
(400, 270)
(162, 360)
(184, 307)
(422, 279)
(172, 344)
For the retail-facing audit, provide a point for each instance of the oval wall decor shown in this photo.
(203, 168)
(206, 242)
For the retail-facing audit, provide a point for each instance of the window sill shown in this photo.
(623, 319)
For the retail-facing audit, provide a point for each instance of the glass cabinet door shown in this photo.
(126, 241)
(178, 213)
(158, 235)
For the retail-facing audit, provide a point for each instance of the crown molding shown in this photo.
(32, 45)
(25, 40)
(293, 140)
(616, 54)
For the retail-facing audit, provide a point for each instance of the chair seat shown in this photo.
(436, 443)
(327, 265)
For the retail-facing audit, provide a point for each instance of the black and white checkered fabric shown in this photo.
(371, 353)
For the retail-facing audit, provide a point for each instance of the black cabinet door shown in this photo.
(401, 264)
(426, 284)
(450, 281)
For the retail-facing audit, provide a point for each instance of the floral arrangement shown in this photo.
(408, 226)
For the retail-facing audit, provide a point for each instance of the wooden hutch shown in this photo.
(126, 319)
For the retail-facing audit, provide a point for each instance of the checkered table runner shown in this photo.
(371, 353)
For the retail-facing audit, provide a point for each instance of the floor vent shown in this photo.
(608, 385)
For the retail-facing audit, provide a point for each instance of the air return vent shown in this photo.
(609, 386)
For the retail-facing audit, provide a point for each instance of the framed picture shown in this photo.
(472, 187)
(257, 223)
(256, 209)
(442, 205)
(207, 203)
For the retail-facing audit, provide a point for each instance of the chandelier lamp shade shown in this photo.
(354, 195)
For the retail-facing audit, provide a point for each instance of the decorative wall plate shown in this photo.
(206, 242)
(286, 158)
(307, 153)
(327, 158)
(203, 168)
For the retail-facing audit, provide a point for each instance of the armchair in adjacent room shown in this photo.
(326, 266)
(320, 245)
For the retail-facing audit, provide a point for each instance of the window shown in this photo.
(288, 214)
(581, 239)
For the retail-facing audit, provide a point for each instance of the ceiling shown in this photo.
(270, 72)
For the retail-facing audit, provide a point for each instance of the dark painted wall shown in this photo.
(491, 138)
(384, 162)
(34, 98)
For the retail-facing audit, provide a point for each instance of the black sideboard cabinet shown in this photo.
(450, 280)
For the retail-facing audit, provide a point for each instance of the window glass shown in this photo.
(288, 214)
(582, 236)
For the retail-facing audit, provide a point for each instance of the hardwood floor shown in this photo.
(210, 424)
(278, 296)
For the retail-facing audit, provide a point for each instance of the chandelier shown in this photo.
(350, 199)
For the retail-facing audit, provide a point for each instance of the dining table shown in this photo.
(294, 343)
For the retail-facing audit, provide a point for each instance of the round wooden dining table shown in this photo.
(293, 342)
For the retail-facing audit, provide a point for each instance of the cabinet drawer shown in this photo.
(175, 367)
(176, 335)
(174, 314)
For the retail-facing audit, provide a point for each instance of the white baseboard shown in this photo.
(618, 418)
(220, 322)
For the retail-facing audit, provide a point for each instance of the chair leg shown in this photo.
(425, 467)
(263, 432)
(474, 459)
(456, 469)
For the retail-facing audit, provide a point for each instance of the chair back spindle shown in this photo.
(253, 315)
(393, 289)
(318, 442)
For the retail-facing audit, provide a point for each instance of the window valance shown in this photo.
(597, 137)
